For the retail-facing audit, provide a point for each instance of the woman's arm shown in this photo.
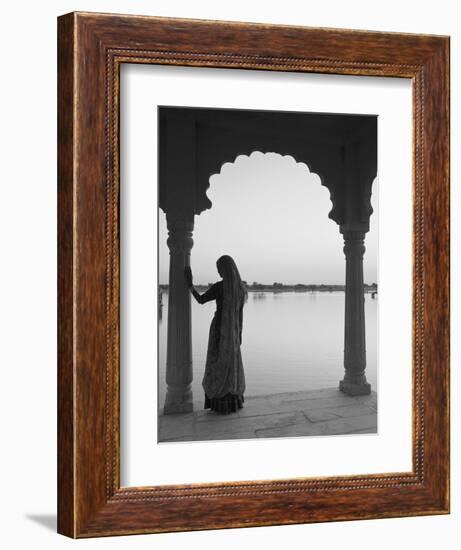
(207, 296)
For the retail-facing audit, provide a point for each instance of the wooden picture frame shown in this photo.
(92, 47)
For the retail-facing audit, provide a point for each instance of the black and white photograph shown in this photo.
(267, 274)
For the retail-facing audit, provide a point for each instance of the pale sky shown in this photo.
(271, 215)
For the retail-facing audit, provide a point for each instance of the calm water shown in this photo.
(291, 341)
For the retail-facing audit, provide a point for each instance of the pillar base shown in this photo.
(350, 388)
(178, 402)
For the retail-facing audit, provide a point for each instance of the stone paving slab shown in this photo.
(339, 426)
(320, 416)
(294, 414)
(249, 424)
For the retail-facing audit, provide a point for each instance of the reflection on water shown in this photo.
(292, 341)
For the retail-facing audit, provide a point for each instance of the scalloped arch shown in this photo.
(231, 158)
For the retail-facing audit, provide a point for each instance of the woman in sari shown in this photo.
(224, 379)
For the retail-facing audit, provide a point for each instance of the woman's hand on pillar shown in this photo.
(188, 276)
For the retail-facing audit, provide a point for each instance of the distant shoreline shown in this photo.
(279, 287)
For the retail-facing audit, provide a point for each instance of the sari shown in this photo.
(224, 377)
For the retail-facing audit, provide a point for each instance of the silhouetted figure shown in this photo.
(224, 379)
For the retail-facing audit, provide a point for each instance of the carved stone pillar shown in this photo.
(179, 345)
(354, 382)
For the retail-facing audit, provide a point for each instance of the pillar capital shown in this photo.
(180, 239)
(354, 244)
(349, 229)
(180, 224)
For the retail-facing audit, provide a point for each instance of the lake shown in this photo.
(291, 341)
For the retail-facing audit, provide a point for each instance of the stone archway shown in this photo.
(195, 143)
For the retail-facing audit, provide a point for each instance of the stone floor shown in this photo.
(296, 414)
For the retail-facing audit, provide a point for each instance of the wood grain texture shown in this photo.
(66, 509)
(91, 49)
